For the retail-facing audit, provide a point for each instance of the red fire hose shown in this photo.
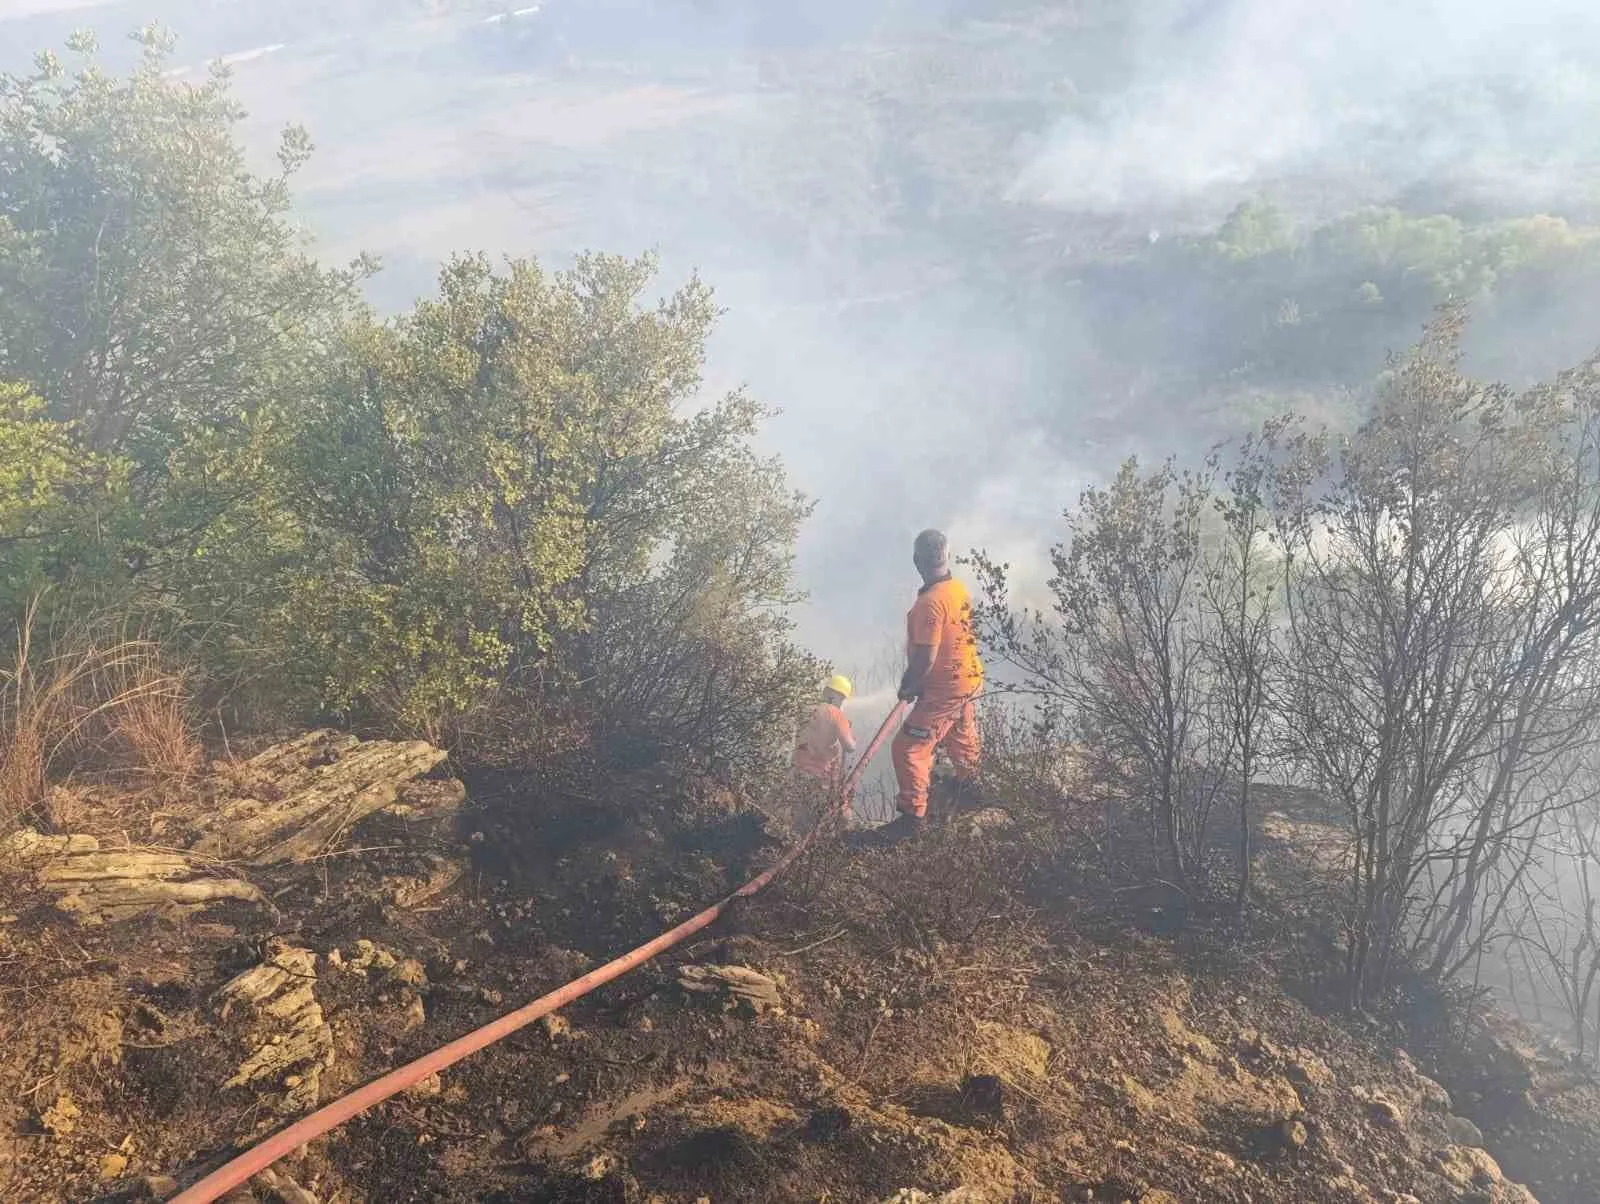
(233, 1173)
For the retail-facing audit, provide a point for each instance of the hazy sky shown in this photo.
(27, 8)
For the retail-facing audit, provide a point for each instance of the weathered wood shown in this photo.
(28, 845)
(315, 805)
(97, 886)
(289, 1041)
(734, 984)
(304, 796)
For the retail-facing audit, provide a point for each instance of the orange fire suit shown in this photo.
(944, 715)
(824, 737)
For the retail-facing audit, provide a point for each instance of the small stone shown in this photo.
(1434, 1097)
(1308, 1070)
(112, 1166)
(488, 995)
(426, 1088)
(1462, 1131)
(1385, 1111)
(416, 1015)
(1294, 1134)
(61, 1117)
(601, 1166)
(556, 1027)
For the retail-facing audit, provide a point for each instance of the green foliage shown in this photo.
(51, 488)
(1257, 304)
(1255, 227)
(506, 501)
(153, 291)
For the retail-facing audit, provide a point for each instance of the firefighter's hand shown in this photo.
(908, 691)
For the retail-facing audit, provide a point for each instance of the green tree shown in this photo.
(1254, 227)
(499, 494)
(153, 291)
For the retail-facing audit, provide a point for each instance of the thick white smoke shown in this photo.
(1223, 96)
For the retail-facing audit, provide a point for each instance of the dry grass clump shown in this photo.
(92, 698)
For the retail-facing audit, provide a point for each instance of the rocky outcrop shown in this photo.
(97, 886)
(289, 1042)
(292, 803)
(307, 794)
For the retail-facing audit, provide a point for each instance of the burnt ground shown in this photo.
(973, 1011)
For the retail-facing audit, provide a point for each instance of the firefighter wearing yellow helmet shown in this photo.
(825, 737)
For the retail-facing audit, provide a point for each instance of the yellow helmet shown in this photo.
(840, 685)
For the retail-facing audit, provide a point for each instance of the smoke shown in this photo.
(1498, 99)
(880, 289)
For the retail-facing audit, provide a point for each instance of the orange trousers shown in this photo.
(934, 723)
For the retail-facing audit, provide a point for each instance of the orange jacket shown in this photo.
(826, 732)
(941, 618)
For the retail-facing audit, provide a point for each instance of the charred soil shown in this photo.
(966, 1013)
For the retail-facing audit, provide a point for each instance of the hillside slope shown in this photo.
(926, 1019)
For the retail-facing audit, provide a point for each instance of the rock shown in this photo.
(280, 1187)
(1468, 1167)
(320, 786)
(97, 886)
(1158, 1197)
(1273, 1098)
(61, 1117)
(737, 986)
(290, 1041)
(1477, 1176)
(1308, 1070)
(409, 972)
(1433, 1096)
(371, 956)
(557, 1027)
(990, 819)
(426, 1088)
(113, 1166)
(601, 1166)
(1462, 1131)
(1385, 1111)
(157, 1187)
(416, 1015)
(1293, 1134)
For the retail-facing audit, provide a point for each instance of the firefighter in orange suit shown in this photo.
(943, 678)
